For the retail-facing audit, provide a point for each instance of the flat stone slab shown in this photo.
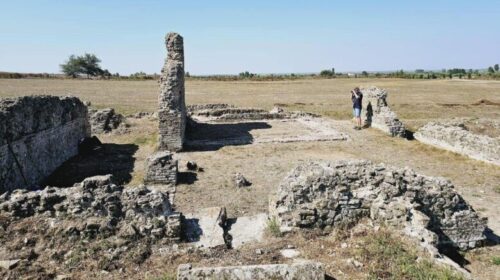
(248, 229)
(9, 264)
(264, 131)
(202, 227)
(304, 270)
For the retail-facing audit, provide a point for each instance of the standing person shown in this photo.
(357, 105)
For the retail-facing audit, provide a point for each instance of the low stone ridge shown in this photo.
(37, 134)
(332, 194)
(377, 113)
(102, 208)
(454, 136)
(161, 168)
(304, 270)
(105, 120)
(226, 112)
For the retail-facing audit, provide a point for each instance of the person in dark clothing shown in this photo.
(357, 105)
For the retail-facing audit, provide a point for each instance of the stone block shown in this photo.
(161, 168)
(304, 270)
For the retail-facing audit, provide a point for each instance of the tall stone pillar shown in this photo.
(172, 107)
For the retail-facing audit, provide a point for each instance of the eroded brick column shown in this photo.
(172, 107)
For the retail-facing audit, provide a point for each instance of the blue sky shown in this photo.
(228, 37)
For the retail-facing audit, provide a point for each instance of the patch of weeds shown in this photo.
(496, 189)
(273, 228)
(388, 257)
(146, 140)
(495, 260)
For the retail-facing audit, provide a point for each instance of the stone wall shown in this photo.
(102, 208)
(172, 107)
(454, 136)
(37, 134)
(377, 113)
(161, 168)
(332, 194)
(304, 270)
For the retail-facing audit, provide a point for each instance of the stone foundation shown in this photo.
(37, 134)
(161, 168)
(98, 207)
(332, 194)
(304, 270)
(377, 113)
(172, 107)
(455, 137)
(105, 120)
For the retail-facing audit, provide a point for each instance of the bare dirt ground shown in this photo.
(266, 163)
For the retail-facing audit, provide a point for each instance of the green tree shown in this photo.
(364, 73)
(491, 70)
(86, 64)
(73, 66)
(496, 67)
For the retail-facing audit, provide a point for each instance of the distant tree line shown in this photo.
(88, 66)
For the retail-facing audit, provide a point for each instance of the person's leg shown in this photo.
(358, 117)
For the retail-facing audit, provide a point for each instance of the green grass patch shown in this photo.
(273, 227)
(495, 260)
(388, 257)
(146, 139)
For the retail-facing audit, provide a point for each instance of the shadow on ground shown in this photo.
(213, 136)
(115, 159)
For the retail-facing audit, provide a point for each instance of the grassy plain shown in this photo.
(415, 101)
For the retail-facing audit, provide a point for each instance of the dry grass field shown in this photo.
(415, 101)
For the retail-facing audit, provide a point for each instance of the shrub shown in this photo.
(273, 228)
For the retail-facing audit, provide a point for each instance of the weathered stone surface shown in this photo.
(9, 264)
(303, 270)
(105, 120)
(226, 112)
(454, 136)
(103, 207)
(37, 134)
(331, 194)
(248, 229)
(204, 228)
(172, 107)
(377, 113)
(161, 168)
(240, 181)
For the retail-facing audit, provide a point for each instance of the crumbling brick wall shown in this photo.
(454, 136)
(172, 107)
(379, 115)
(335, 194)
(37, 134)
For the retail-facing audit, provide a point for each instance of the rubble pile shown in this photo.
(333, 194)
(105, 120)
(104, 209)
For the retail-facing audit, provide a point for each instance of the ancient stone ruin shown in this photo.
(455, 136)
(38, 133)
(105, 120)
(97, 207)
(172, 108)
(332, 194)
(161, 168)
(304, 270)
(228, 112)
(377, 113)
